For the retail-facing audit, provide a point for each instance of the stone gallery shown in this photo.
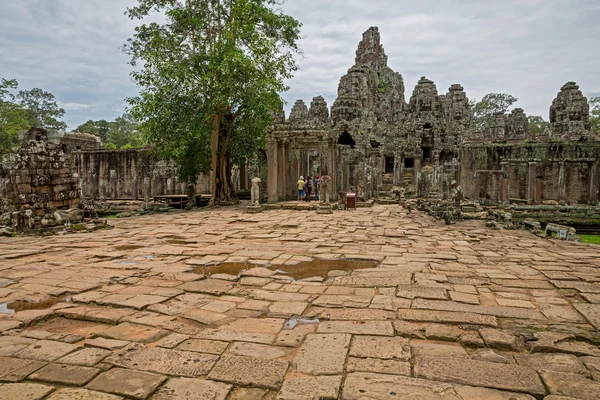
(374, 141)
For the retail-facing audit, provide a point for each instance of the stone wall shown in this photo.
(536, 172)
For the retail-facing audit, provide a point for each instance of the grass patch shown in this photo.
(594, 239)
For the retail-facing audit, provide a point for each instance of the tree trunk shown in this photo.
(222, 188)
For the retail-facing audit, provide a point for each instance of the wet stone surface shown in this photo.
(311, 306)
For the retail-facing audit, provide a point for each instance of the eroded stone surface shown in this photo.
(244, 370)
(322, 354)
(191, 389)
(126, 382)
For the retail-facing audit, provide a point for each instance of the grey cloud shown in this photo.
(526, 48)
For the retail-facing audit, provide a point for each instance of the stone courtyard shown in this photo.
(460, 312)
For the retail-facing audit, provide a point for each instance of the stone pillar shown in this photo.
(417, 170)
(503, 188)
(280, 171)
(169, 186)
(113, 184)
(593, 186)
(531, 182)
(476, 186)
(561, 182)
(134, 187)
(146, 189)
(272, 168)
(243, 177)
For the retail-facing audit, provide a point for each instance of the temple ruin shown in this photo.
(374, 140)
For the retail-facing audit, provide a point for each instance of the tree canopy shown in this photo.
(210, 76)
(537, 125)
(41, 108)
(122, 133)
(595, 114)
(490, 104)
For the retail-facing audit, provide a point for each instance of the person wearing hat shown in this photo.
(300, 185)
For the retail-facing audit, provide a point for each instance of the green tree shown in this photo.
(595, 114)
(123, 133)
(13, 117)
(537, 125)
(211, 74)
(100, 127)
(484, 110)
(41, 108)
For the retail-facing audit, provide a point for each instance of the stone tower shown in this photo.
(570, 115)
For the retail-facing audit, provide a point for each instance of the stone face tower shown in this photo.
(570, 115)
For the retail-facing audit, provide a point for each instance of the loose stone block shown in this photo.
(498, 339)
(24, 391)
(360, 385)
(294, 337)
(591, 312)
(192, 389)
(65, 374)
(480, 373)
(322, 354)
(564, 384)
(126, 382)
(81, 394)
(310, 387)
(134, 333)
(593, 365)
(379, 328)
(108, 344)
(380, 347)
(243, 370)
(88, 356)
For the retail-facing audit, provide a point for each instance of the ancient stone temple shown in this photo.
(375, 140)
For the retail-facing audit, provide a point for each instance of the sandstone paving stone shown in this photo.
(192, 389)
(46, 350)
(379, 328)
(356, 314)
(380, 347)
(562, 314)
(203, 316)
(591, 312)
(16, 369)
(515, 303)
(477, 393)
(255, 325)
(218, 306)
(471, 339)
(164, 361)
(203, 346)
(593, 365)
(322, 354)
(279, 296)
(24, 391)
(65, 374)
(498, 311)
(257, 350)
(330, 300)
(81, 394)
(134, 333)
(230, 336)
(553, 362)
(361, 385)
(252, 281)
(126, 382)
(254, 305)
(244, 370)
(287, 308)
(108, 344)
(208, 286)
(443, 332)
(310, 388)
(422, 348)
(173, 340)
(87, 356)
(392, 367)
(565, 384)
(490, 355)
(464, 297)
(447, 317)
(498, 339)
(480, 373)
(413, 292)
(294, 337)
(109, 315)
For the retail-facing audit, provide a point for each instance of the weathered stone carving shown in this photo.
(255, 191)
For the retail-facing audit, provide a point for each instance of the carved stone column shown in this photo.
(272, 168)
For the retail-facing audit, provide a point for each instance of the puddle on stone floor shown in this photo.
(303, 270)
(12, 307)
(296, 320)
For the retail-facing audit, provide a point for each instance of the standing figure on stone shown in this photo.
(317, 185)
(309, 188)
(325, 189)
(300, 186)
(255, 191)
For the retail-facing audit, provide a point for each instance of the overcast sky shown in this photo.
(528, 48)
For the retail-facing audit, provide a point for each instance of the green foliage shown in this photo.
(594, 239)
(13, 117)
(210, 76)
(100, 127)
(484, 110)
(41, 108)
(382, 87)
(595, 114)
(537, 125)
